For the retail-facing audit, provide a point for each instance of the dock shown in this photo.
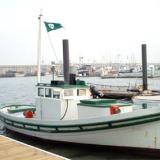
(14, 150)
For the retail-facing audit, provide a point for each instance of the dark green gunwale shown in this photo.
(104, 105)
(17, 108)
(18, 105)
(101, 103)
(83, 127)
(97, 101)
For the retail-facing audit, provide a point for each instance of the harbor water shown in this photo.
(21, 90)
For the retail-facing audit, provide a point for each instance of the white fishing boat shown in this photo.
(65, 112)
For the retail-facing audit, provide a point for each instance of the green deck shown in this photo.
(20, 108)
(98, 101)
(101, 103)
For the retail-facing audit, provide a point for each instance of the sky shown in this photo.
(98, 30)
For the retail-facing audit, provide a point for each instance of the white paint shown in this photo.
(134, 136)
(142, 136)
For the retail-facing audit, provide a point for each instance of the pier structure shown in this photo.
(13, 150)
(22, 69)
(86, 69)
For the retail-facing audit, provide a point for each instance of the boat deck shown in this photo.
(13, 150)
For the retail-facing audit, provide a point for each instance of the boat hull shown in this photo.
(131, 137)
(140, 136)
(138, 129)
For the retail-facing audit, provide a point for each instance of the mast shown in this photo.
(39, 51)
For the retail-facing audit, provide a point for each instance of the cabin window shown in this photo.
(41, 92)
(68, 92)
(48, 92)
(81, 92)
(56, 94)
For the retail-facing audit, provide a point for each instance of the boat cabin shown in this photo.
(58, 101)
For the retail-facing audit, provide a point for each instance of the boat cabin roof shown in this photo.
(62, 85)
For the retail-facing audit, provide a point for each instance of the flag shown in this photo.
(52, 26)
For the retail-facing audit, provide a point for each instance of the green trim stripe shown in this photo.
(82, 127)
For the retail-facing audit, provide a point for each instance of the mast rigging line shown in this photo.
(53, 49)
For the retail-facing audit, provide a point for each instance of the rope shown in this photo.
(53, 49)
(65, 111)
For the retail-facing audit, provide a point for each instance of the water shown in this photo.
(22, 90)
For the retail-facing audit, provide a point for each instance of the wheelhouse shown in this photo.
(58, 101)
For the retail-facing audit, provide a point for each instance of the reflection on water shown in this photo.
(22, 90)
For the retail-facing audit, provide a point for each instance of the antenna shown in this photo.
(39, 50)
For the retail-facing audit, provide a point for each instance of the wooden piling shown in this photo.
(66, 61)
(144, 66)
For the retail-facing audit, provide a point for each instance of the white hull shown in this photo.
(140, 136)
(140, 129)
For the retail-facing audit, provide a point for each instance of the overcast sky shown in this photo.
(98, 30)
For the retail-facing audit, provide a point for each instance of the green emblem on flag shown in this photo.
(52, 26)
